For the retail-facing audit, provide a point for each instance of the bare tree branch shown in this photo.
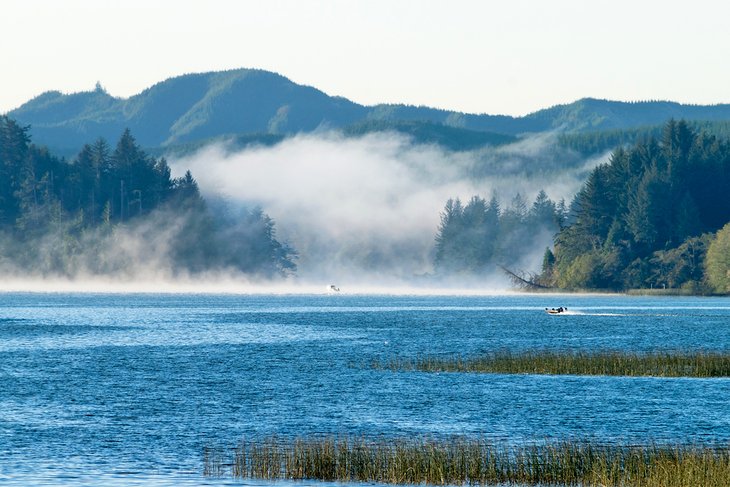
(523, 280)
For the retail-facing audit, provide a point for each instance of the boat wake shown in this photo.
(600, 314)
(571, 312)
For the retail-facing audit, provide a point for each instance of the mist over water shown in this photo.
(361, 212)
(364, 211)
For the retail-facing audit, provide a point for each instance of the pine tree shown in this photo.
(448, 237)
(14, 153)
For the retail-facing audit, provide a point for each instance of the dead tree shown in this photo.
(522, 279)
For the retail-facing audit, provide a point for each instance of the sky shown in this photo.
(474, 56)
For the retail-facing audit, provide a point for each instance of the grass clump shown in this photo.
(464, 461)
(670, 364)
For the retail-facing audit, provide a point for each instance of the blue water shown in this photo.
(129, 389)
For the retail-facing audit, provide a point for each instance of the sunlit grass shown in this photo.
(460, 461)
(704, 364)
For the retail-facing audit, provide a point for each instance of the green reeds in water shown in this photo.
(465, 461)
(668, 364)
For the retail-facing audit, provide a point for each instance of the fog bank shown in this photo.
(364, 211)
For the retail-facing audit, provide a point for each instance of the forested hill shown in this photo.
(655, 215)
(195, 107)
(185, 109)
(650, 217)
(116, 211)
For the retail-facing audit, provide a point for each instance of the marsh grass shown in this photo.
(668, 364)
(213, 462)
(463, 461)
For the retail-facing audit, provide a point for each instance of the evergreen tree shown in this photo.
(447, 237)
(58, 216)
(548, 263)
(543, 213)
(475, 238)
(14, 154)
(638, 219)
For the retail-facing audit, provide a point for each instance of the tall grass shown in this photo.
(674, 364)
(465, 461)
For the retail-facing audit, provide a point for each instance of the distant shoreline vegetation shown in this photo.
(117, 211)
(460, 461)
(668, 364)
(654, 217)
(652, 220)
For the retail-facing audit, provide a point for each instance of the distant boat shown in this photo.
(333, 288)
(555, 311)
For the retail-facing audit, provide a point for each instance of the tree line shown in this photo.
(592, 143)
(475, 237)
(656, 215)
(648, 217)
(57, 215)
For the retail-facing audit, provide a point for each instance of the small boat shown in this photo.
(333, 289)
(555, 311)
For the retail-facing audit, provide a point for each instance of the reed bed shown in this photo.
(670, 364)
(466, 461)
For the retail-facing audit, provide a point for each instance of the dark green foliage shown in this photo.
(548, 263)
(64, 219)
(681, 266)
(450, 229)
(467, 238)
(602, 141)
(15, 157)
(598, 142)
(474, 239)
(638, 219)
(250, 240)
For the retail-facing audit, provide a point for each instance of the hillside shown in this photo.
(195, 107)
(117, 211)
(423, 132)
(648, 218)
(185, 109)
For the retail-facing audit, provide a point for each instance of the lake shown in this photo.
(129, 389)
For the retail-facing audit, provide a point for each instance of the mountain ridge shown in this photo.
(199, 106)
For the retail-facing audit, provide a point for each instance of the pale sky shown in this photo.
(498, 57)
